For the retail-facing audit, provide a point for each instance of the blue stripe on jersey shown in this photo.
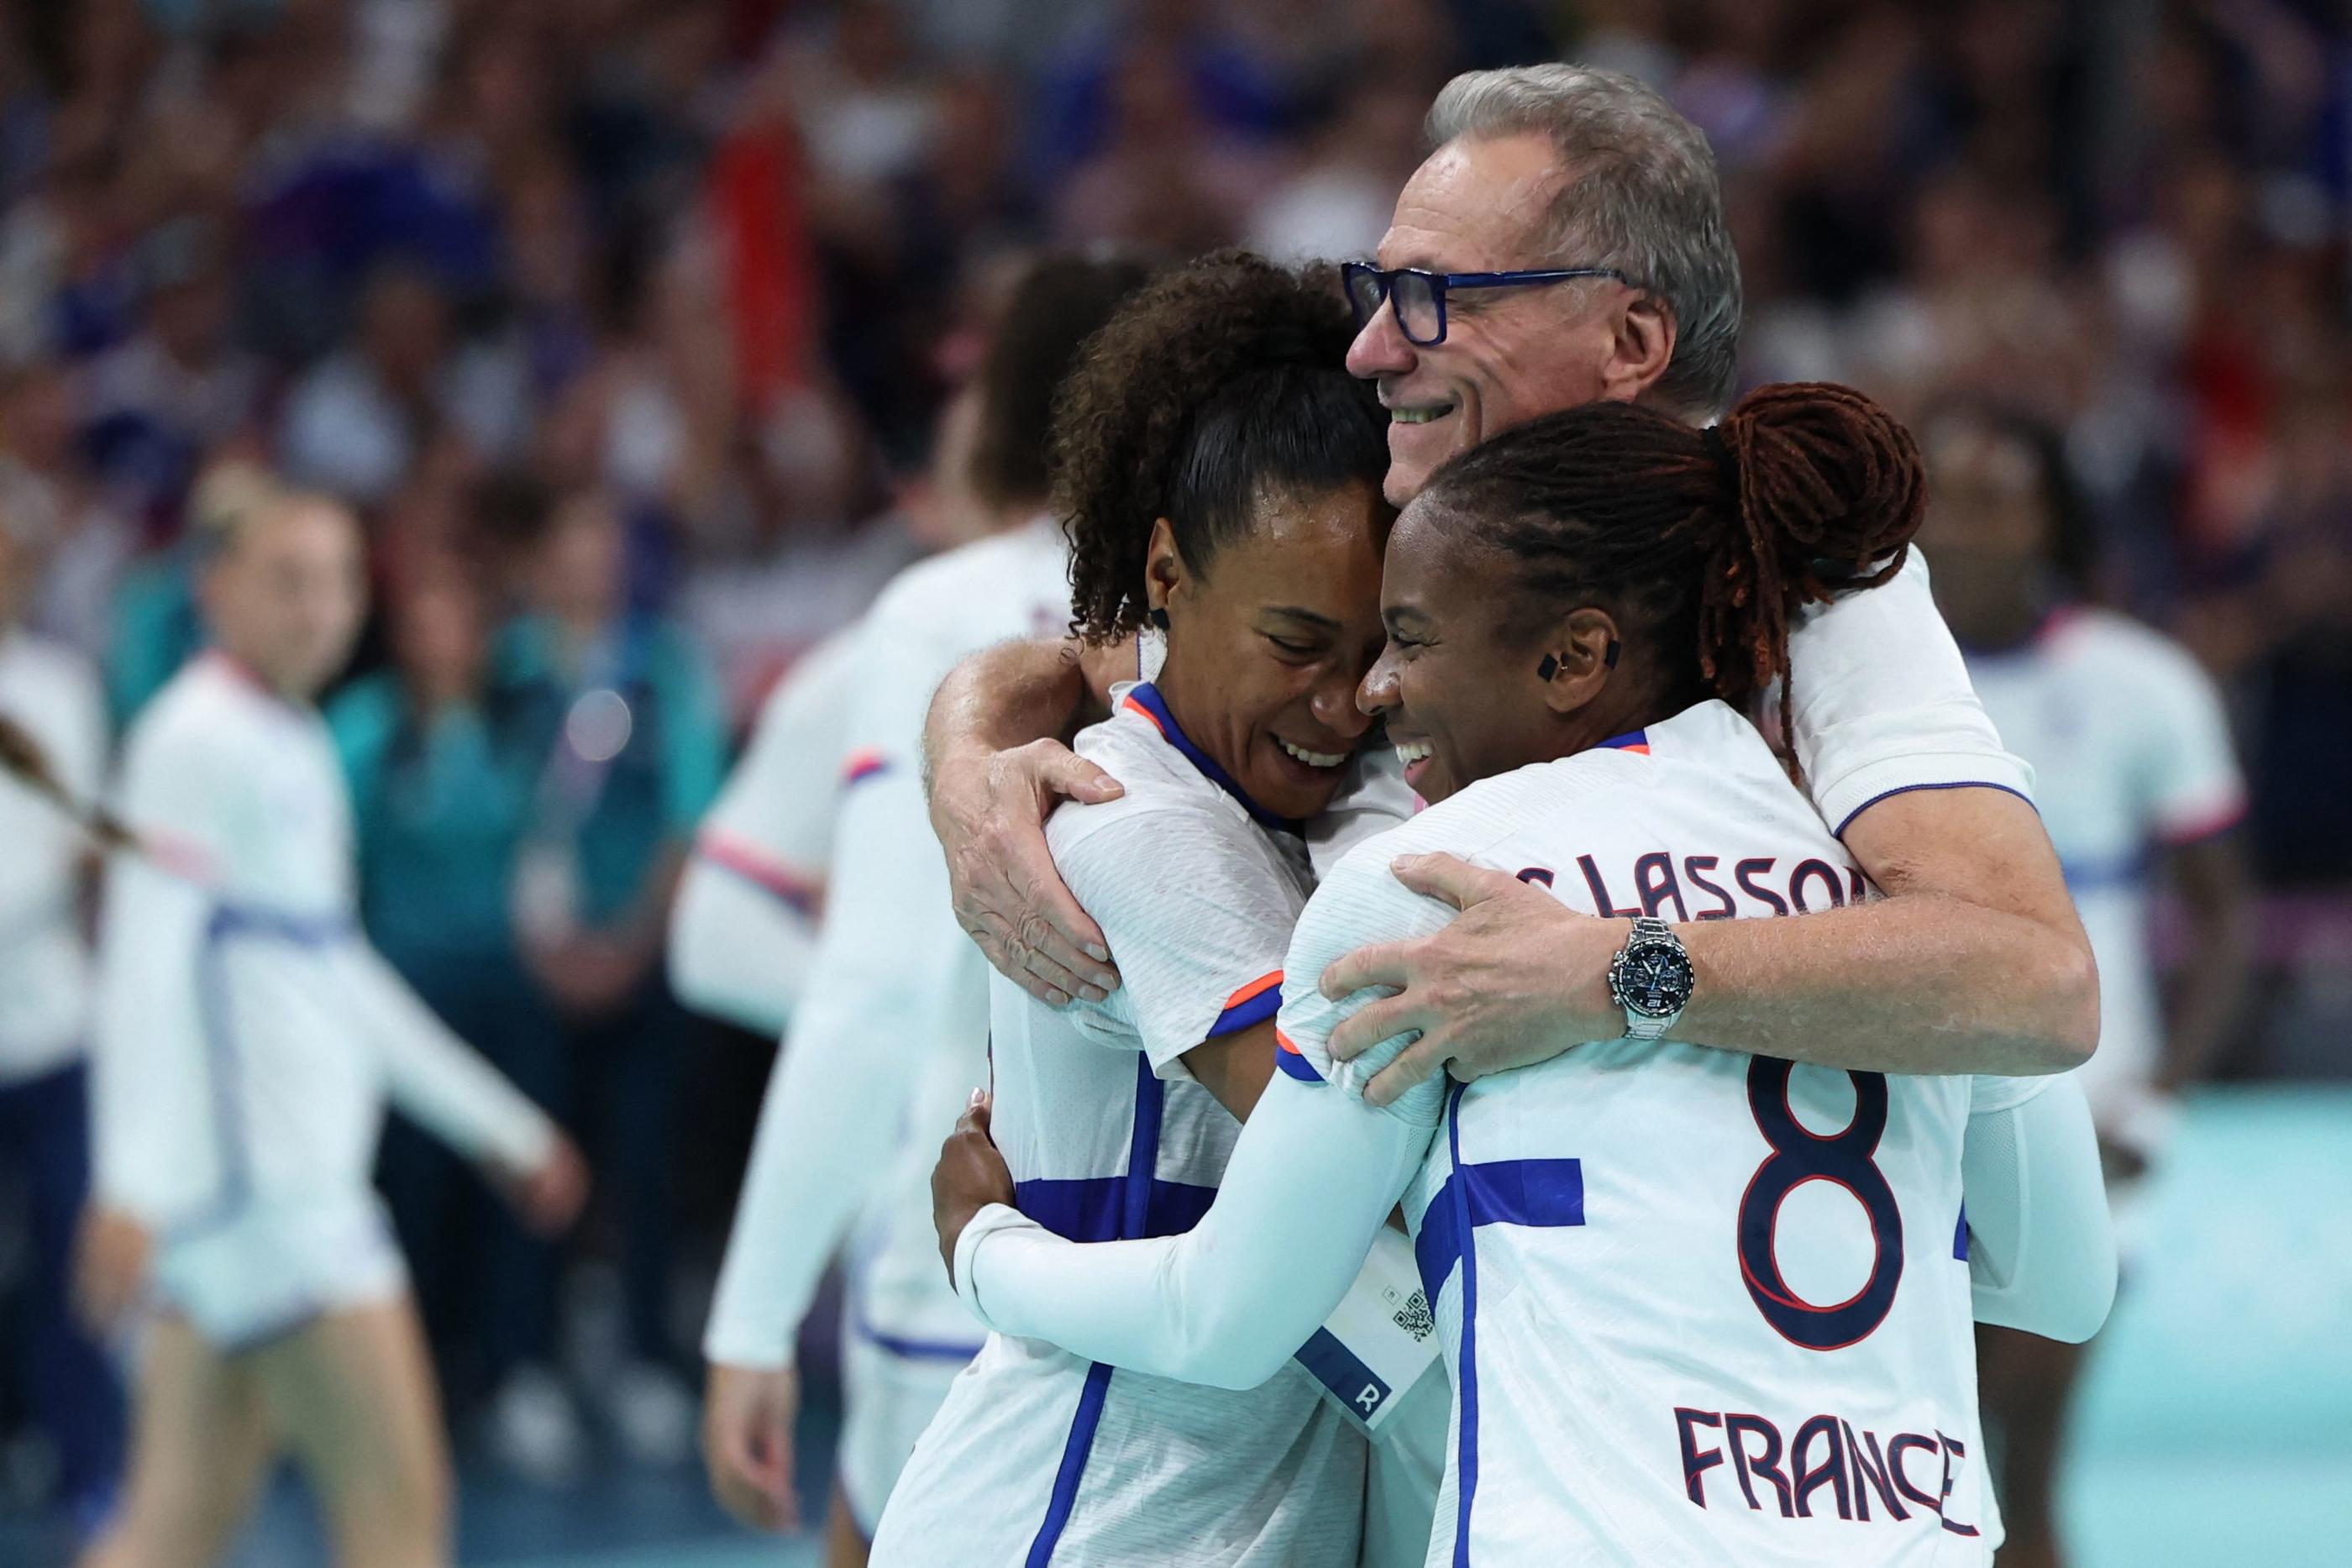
(1465, 1387)
(1073, 1466)
(1137, 1192)
(1094, 1208)
(1298, 1066)
(1248, 1013)
(2128, 873)
(1501, 1192)
(1960, 1236)
(906, 1349)
(217, 1028)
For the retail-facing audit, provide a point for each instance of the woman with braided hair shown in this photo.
(1699, 1307)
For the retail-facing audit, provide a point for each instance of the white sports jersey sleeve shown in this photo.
(2041, 1252)
(436, 1078)
(744, 927)
(1881, 702)
(2186, 767)
(1313, 1175)
(147, 1058)
(1197, 931)
(836, 1098)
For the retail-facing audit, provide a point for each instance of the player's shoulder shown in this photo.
(941, 587)
(2115, 646)
(1166, 803)
(49, 685)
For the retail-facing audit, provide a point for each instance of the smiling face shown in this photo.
(1484, 204)
(1266, 648)
(1460, 695)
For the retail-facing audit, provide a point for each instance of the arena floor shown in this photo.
(2211, 1435)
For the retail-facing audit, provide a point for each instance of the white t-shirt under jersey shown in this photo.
(2131, 752)
(1700, 1307)
(1041, 1456)
(43, 966)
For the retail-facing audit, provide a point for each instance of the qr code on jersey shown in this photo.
(1414, 1318)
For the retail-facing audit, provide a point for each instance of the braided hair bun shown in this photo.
(1713, 539)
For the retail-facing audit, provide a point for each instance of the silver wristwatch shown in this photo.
(1650, 978)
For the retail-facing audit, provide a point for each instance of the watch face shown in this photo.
(1654, 981)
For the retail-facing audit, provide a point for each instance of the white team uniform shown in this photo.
(744, 928)
(1700, 1308)
(247, 1034)
(2127, 737)
(890, 1032)
(44, 966)
(1039, 1454)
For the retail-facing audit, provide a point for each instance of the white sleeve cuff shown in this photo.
(996, 1217)
(726, 1344)
(1842, 800)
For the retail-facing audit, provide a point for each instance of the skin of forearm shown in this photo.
(1002, 698)
(1918, 983)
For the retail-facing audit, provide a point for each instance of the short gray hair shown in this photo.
(1643, 197)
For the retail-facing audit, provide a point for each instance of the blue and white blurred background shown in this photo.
(722, 264)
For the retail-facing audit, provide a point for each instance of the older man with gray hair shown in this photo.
(1564, 242)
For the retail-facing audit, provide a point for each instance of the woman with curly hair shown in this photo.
(1699, 1307)
(1219, 474)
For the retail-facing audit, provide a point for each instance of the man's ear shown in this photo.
(1582, 652)
(1641, 348)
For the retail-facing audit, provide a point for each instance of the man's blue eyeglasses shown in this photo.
(1420, 297)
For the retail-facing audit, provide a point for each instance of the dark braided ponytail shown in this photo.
(1713, 539)
(1215, 384)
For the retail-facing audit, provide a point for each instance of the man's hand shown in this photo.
(970, 1175)
(549, 1197)
(747, 1442)
(989, 809)
(109, 1267)
(1518, 977)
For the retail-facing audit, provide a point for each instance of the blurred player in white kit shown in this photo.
(1702, 1308)
(2136, 780)
(247, 1039)
(51, 696)
(889, 1030)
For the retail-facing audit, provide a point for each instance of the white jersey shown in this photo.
(890, 1032)
(1039, 1454)
(44, 968)
(2131, 749)
(1809, 1395)
(1881, 702)
(1700, 1308)
(246, 1034)
(744, 928)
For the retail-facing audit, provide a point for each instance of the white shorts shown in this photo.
(279, 1262)
(891, 1389)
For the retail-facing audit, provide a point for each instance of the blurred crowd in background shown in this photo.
(634, 331)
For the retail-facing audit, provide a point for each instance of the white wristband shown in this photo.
(990, 1219)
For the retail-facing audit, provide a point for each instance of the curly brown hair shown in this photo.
(1215, 384)
(1712, 539)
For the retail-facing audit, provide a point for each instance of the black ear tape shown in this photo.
(1550, 665)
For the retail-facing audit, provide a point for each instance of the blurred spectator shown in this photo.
(180, 387)
(87, 542)
(442, 768)
(53, 694)
(626, 722)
